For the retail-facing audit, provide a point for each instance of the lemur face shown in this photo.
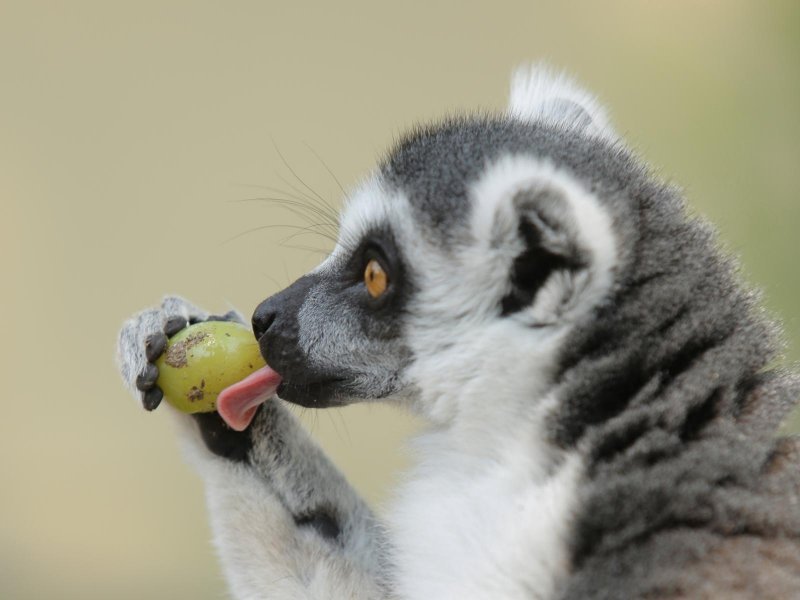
(474, 242)
(336, 335)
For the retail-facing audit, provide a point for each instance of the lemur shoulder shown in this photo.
(595, 379)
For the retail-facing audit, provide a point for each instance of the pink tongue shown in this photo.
(237, 403)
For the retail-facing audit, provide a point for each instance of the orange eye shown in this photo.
(375, 278)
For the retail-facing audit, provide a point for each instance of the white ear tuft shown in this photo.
(539, 93)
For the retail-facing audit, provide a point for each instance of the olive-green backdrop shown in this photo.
(129, 131)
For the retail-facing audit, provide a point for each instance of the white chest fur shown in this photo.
(483, 522)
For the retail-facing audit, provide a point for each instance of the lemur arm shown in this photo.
(286, 523)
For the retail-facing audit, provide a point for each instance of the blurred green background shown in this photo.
(128, 130)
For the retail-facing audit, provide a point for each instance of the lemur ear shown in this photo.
(549, 244)
(539, 93)
(547, 234)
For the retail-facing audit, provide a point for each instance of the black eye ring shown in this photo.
(378, 282)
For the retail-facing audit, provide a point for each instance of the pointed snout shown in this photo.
(279, 313)
(264, 317)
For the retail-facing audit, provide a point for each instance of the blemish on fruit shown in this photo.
(176, 353)
(195, 394)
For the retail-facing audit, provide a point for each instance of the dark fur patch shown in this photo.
(221, 439)
(531, 269)
(322, 522)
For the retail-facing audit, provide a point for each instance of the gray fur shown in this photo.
(435, 165)
(661, 391)
(372, 362)
(666, 391)
(663, 386)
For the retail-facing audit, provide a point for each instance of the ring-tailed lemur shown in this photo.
(601, 416)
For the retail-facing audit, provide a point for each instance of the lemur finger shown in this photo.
(146, 380)
(154, 346)
(231, 315)
(174, 324)
(152, 398)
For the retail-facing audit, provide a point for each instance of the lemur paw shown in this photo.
(143, 340)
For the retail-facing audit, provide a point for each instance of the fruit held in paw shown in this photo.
(202, 360)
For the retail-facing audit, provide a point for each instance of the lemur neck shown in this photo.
(490, 494)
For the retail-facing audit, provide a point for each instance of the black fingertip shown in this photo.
(147, 378)
(174, 325)
(152, 398)
(154, 346)
(231, 315)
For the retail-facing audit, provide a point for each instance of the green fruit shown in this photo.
(202, 360)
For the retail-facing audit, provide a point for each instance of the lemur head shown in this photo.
(470, 256)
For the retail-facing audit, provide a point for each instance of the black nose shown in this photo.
(280, 312)
(263, 317)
